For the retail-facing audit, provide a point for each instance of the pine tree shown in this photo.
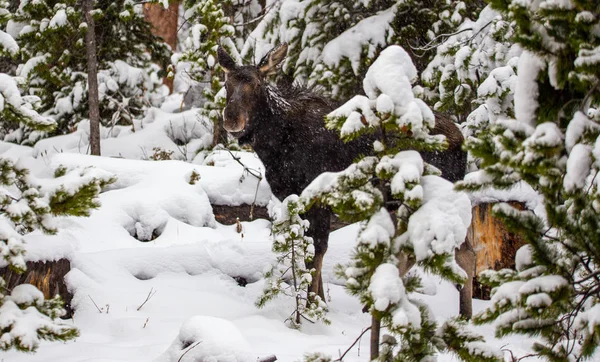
(553, 145)
(289, 275)
(210, 29)
(52, 60)
(397, 214)
(474, 67)
(27, 204)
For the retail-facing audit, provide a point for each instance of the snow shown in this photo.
(157, 232)
(25, 69)
(577, 128)
(579, 165)
(379, 229)
(58, 20)
(524, 257)
(526, 90)
(8, 44)
(24, 326)
(205, 338)
(388, 88)
(440, 225)
(369, 33)
(386, 286)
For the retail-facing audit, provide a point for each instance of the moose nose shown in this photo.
(233, 120)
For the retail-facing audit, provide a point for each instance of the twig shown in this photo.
(150, 295)
(251, 171)
(146, 323)
(352, 345)
(99, 310)
(266, 11)
(584, 103)
(189, 349)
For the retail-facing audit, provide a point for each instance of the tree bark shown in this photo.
(164, 24)
(494, 244)
(92, 65)
(375, 329)
(47, 276)
(466, 259)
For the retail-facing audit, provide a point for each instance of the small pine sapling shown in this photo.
(211, 28)
(28, 203)
(289, 275)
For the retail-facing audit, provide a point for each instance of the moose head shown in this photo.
(244, 86)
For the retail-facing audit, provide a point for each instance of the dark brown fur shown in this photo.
(285, 126)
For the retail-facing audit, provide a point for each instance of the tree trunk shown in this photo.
(375, 329)
(164, 24)
(92, 65)
(47, 276)
(466, 259)
(494, 244)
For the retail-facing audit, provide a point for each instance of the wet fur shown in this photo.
(285, 127)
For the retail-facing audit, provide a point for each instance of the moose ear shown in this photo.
(225, 60)
(268, 64)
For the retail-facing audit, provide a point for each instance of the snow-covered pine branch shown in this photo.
(332, 43)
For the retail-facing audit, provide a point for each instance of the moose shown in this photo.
(285, 127)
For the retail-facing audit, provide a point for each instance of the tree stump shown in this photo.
(494, 245)
(47, 276)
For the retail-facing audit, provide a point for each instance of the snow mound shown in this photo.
(181, 134)
(146, 196)
(208, 339)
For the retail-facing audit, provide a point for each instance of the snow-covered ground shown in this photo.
(132, 297)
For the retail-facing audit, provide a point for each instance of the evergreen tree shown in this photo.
(400, 215)
(332, 43)
(52, 60)
(27, 204)
(289, 275)
(474, 67)
(553, 145)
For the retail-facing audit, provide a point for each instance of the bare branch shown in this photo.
(352, 345)
(189, 349)
(150, 295)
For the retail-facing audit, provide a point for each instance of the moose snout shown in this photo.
(233, 120)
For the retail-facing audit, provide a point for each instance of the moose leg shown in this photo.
(466, 258)
(319, 219)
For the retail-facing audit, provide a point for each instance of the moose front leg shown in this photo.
(319, 219)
